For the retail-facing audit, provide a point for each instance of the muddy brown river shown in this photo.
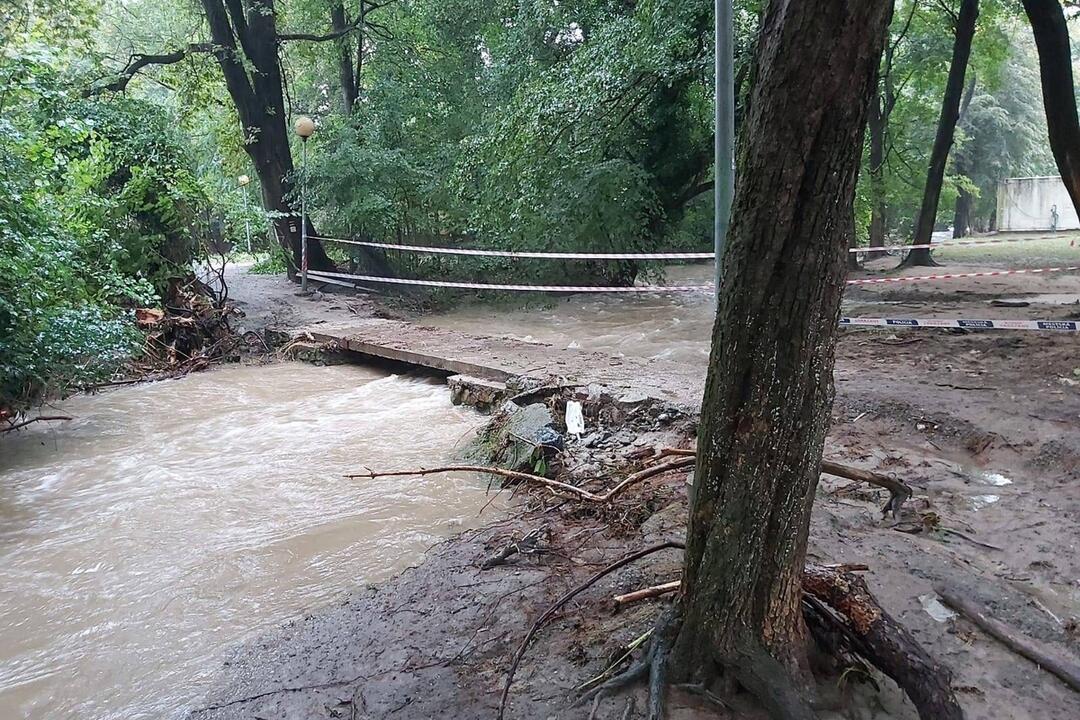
(168, 522)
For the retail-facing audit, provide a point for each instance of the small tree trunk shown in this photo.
(1055, 68)
(946, 130)
(769, 390)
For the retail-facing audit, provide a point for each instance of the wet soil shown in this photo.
(984, 426)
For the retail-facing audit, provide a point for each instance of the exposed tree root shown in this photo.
(846, 621)
(653, 665)
(565, 598)
(766, 678)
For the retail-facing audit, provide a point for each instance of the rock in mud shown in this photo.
(518, 438)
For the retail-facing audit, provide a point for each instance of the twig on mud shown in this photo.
(646, 593)
(565, 598)
(953, 531)
(39, 418)
(634, 645)
(537, 479)
(1035, 651)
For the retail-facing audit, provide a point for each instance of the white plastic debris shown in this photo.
(995, 479)
(935, 609)
(575, 420)
(980, 501)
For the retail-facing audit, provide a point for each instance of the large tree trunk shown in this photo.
(260, 104)
(346, 73)
(946, 130)
(769, 391)
(1059, 97)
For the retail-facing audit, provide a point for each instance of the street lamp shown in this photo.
(304, 127)
(243, 180)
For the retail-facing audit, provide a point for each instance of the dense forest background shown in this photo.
(571, 125)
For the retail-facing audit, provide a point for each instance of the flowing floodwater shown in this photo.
(168, 521)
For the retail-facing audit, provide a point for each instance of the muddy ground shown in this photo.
(984, 425)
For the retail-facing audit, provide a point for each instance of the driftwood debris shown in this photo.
(1039, 653)
(529, 544)
(555, 485)
(899, 492)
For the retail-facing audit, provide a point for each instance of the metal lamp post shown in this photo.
(304, 127)
(243, 180)
(724, 188)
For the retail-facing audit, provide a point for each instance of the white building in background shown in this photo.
(1034, 204)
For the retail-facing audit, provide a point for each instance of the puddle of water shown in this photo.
(169, 521)
(1047, 299)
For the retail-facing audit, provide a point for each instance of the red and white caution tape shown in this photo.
(953, 276)
(653, 288)
(647, 256)
(959, 243)
(521, 288)
(969, 324)
(523, 254)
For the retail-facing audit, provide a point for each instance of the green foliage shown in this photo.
(59, 323)
(97, 210)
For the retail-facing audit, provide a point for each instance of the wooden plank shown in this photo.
(431, 361)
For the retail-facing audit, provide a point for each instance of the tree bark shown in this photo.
(346, 73)
(946, 131)
(259, 99)
(769, 390)
(1059, 97)
(964, 199)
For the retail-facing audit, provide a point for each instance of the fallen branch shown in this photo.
(876, 636)
(565, 598)
(899, 492)
(555, 485)
(1035, 651)
(39, 418)
(646, 593)
(965, 536)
